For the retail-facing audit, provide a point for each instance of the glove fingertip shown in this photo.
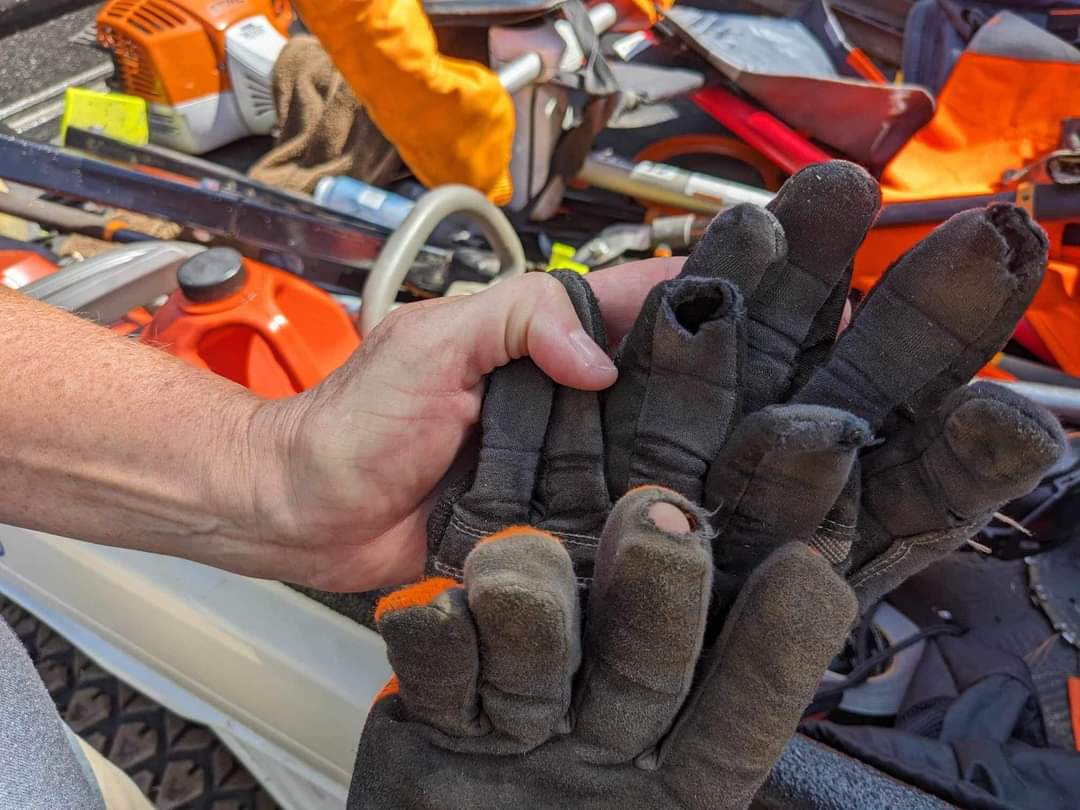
(633, 512)
(739, 245)
(1003, 435)
(797, 601)
(418, 594)
(801, 427)
(1025, 242)
(826, 197)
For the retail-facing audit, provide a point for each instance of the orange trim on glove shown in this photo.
(418, 594)
(392, 687)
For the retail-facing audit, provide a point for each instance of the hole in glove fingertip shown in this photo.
(1025, 240)
(693, 302)
(645, 501)
(669, 518)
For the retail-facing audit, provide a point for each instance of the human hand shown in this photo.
(499, 700)
(344, 488)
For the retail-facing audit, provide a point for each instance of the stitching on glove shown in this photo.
(448, 570)
(466, 529)
(583, 583)
(519, 531)
(583, 540)
(903, 548)
(590, 539)
(837, 524)
(876, 569)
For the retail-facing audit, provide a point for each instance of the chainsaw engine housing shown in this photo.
(203, 66)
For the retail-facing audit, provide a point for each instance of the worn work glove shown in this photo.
(497, 702)
(946, 454)
(542, 450)
(751, 322)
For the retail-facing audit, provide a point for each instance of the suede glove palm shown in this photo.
(498, 702)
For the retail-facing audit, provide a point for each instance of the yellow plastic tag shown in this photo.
(115, 115)
(562, 258)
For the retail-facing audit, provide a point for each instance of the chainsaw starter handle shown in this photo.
(402, 248)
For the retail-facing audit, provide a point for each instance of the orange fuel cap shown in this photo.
(266, 329)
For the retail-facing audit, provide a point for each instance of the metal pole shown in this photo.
(526, 69)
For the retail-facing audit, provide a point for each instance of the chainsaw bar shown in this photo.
(209, 174)
(327, 247)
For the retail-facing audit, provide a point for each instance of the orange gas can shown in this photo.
(261, 327)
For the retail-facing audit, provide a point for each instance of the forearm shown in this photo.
(106, 440)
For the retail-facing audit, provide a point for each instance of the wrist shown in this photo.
(269, 441)
(244, 491)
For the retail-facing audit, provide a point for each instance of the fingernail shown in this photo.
(591, 354)
(669, 518)
(845, 318)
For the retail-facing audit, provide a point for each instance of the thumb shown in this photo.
(530, 315)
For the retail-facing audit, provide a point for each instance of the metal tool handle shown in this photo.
(401, 249)
(526, 69)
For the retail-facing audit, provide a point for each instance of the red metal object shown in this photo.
(1074, 708)
(762, 130)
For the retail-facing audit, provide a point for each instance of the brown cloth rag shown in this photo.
(324, 130)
